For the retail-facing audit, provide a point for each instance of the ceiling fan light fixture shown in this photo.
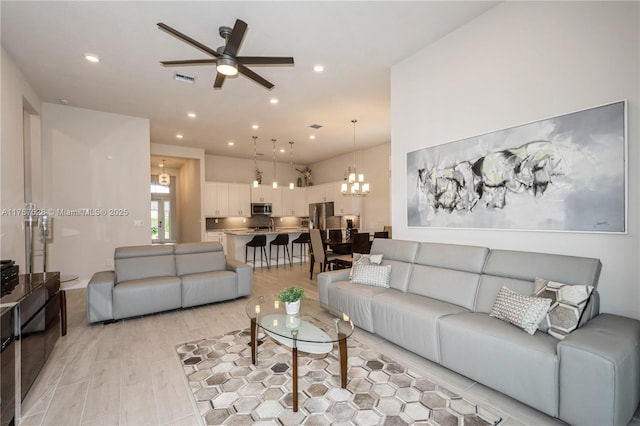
(227, 66)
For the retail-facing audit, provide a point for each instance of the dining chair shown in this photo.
(335, 234)
(320, 255)
(361, 243)
(388, 229)
(381, 234)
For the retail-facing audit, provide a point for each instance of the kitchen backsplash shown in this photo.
(251, 222)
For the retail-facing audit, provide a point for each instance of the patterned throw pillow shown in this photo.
(377, 275)
(567, 306)
(364, 259)
(520, 310)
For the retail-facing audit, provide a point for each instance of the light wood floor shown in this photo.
(126, 373)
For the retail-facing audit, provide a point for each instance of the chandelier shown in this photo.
(164, 178)
(355, 185)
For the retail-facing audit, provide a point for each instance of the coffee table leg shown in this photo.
(294, 365)
(253, 340)
(342, 343)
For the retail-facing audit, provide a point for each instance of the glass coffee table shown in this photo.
(309, 331)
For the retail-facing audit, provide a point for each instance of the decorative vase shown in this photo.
(292, 307)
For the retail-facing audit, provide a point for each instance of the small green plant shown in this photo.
(291, 294)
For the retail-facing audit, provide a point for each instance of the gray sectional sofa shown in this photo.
(438, 306)
(156, 278)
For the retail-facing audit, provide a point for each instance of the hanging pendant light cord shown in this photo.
(274, 159)
(354, 145)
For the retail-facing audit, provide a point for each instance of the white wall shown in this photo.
(520, 62)
(240, 170)
(94, 160)
(15, 93)
(374, 162)
(192, 216)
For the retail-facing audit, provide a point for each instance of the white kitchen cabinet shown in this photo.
(218, 237)
(239, 199)
(262, 194)
(216, 199)
(276, 202)
(319, 193)
(294, 202)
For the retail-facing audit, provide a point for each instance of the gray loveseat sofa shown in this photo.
(156, 278)
(438, 306)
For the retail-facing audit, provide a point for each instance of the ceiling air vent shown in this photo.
(184, 78)
(315, 126)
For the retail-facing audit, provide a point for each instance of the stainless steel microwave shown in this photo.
(264, 209)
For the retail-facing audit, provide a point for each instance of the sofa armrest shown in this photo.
(100, 296)
(245, 276)
(600, 372)
(326, 278)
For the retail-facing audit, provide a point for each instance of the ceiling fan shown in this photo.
(226, 61)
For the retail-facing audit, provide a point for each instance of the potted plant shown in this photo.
(291, 296)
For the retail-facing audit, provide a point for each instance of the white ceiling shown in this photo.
(357, 42)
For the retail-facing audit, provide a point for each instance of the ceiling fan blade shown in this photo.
(264, 60)
(253, 76)
(235, 39)
(177, 34)
(219, 80)
(189, 62)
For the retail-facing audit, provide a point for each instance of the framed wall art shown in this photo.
(566, 173)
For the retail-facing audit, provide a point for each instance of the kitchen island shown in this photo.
(238, 239)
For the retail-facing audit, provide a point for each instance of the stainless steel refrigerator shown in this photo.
(319, 213)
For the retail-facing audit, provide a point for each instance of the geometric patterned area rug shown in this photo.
(229, 389)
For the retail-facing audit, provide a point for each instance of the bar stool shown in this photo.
(304, 240)
(281, 240)
(257, 241)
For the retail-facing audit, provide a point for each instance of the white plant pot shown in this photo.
(292, 308)
(292, 322)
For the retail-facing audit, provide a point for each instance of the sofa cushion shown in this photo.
(567, 306)
(137, 262)
(490, 287)
(208, 287)
(520, 310)
(452, 256)
(411, 321)
(376, 275)
(502, 357)
(145, 296)
(448, 285)
(354, 300)
(193, 258)
(400, 255)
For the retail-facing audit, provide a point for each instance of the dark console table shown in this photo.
(33, 314)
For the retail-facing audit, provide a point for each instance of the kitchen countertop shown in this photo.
(265, 231)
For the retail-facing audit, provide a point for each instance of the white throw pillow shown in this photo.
(520, 310)
(364, 259)
(377, 275)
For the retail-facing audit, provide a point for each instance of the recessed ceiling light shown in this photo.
(282, 150)
(91, 58)
(255, 126)
(318, 68)
(273, 100)
(231, 143)
(191, 115)
(179, 136)
(312, 136)
(161, 165)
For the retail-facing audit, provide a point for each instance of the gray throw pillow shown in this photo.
(567, 306)
(520, 310)
(364, 259)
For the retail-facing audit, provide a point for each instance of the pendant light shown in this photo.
(355, 185)
(291, 184)
(275, 182)
(164, 178)
(255, 163)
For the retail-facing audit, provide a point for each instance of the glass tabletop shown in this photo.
(310, 323)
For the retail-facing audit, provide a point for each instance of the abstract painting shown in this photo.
(566, 173)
